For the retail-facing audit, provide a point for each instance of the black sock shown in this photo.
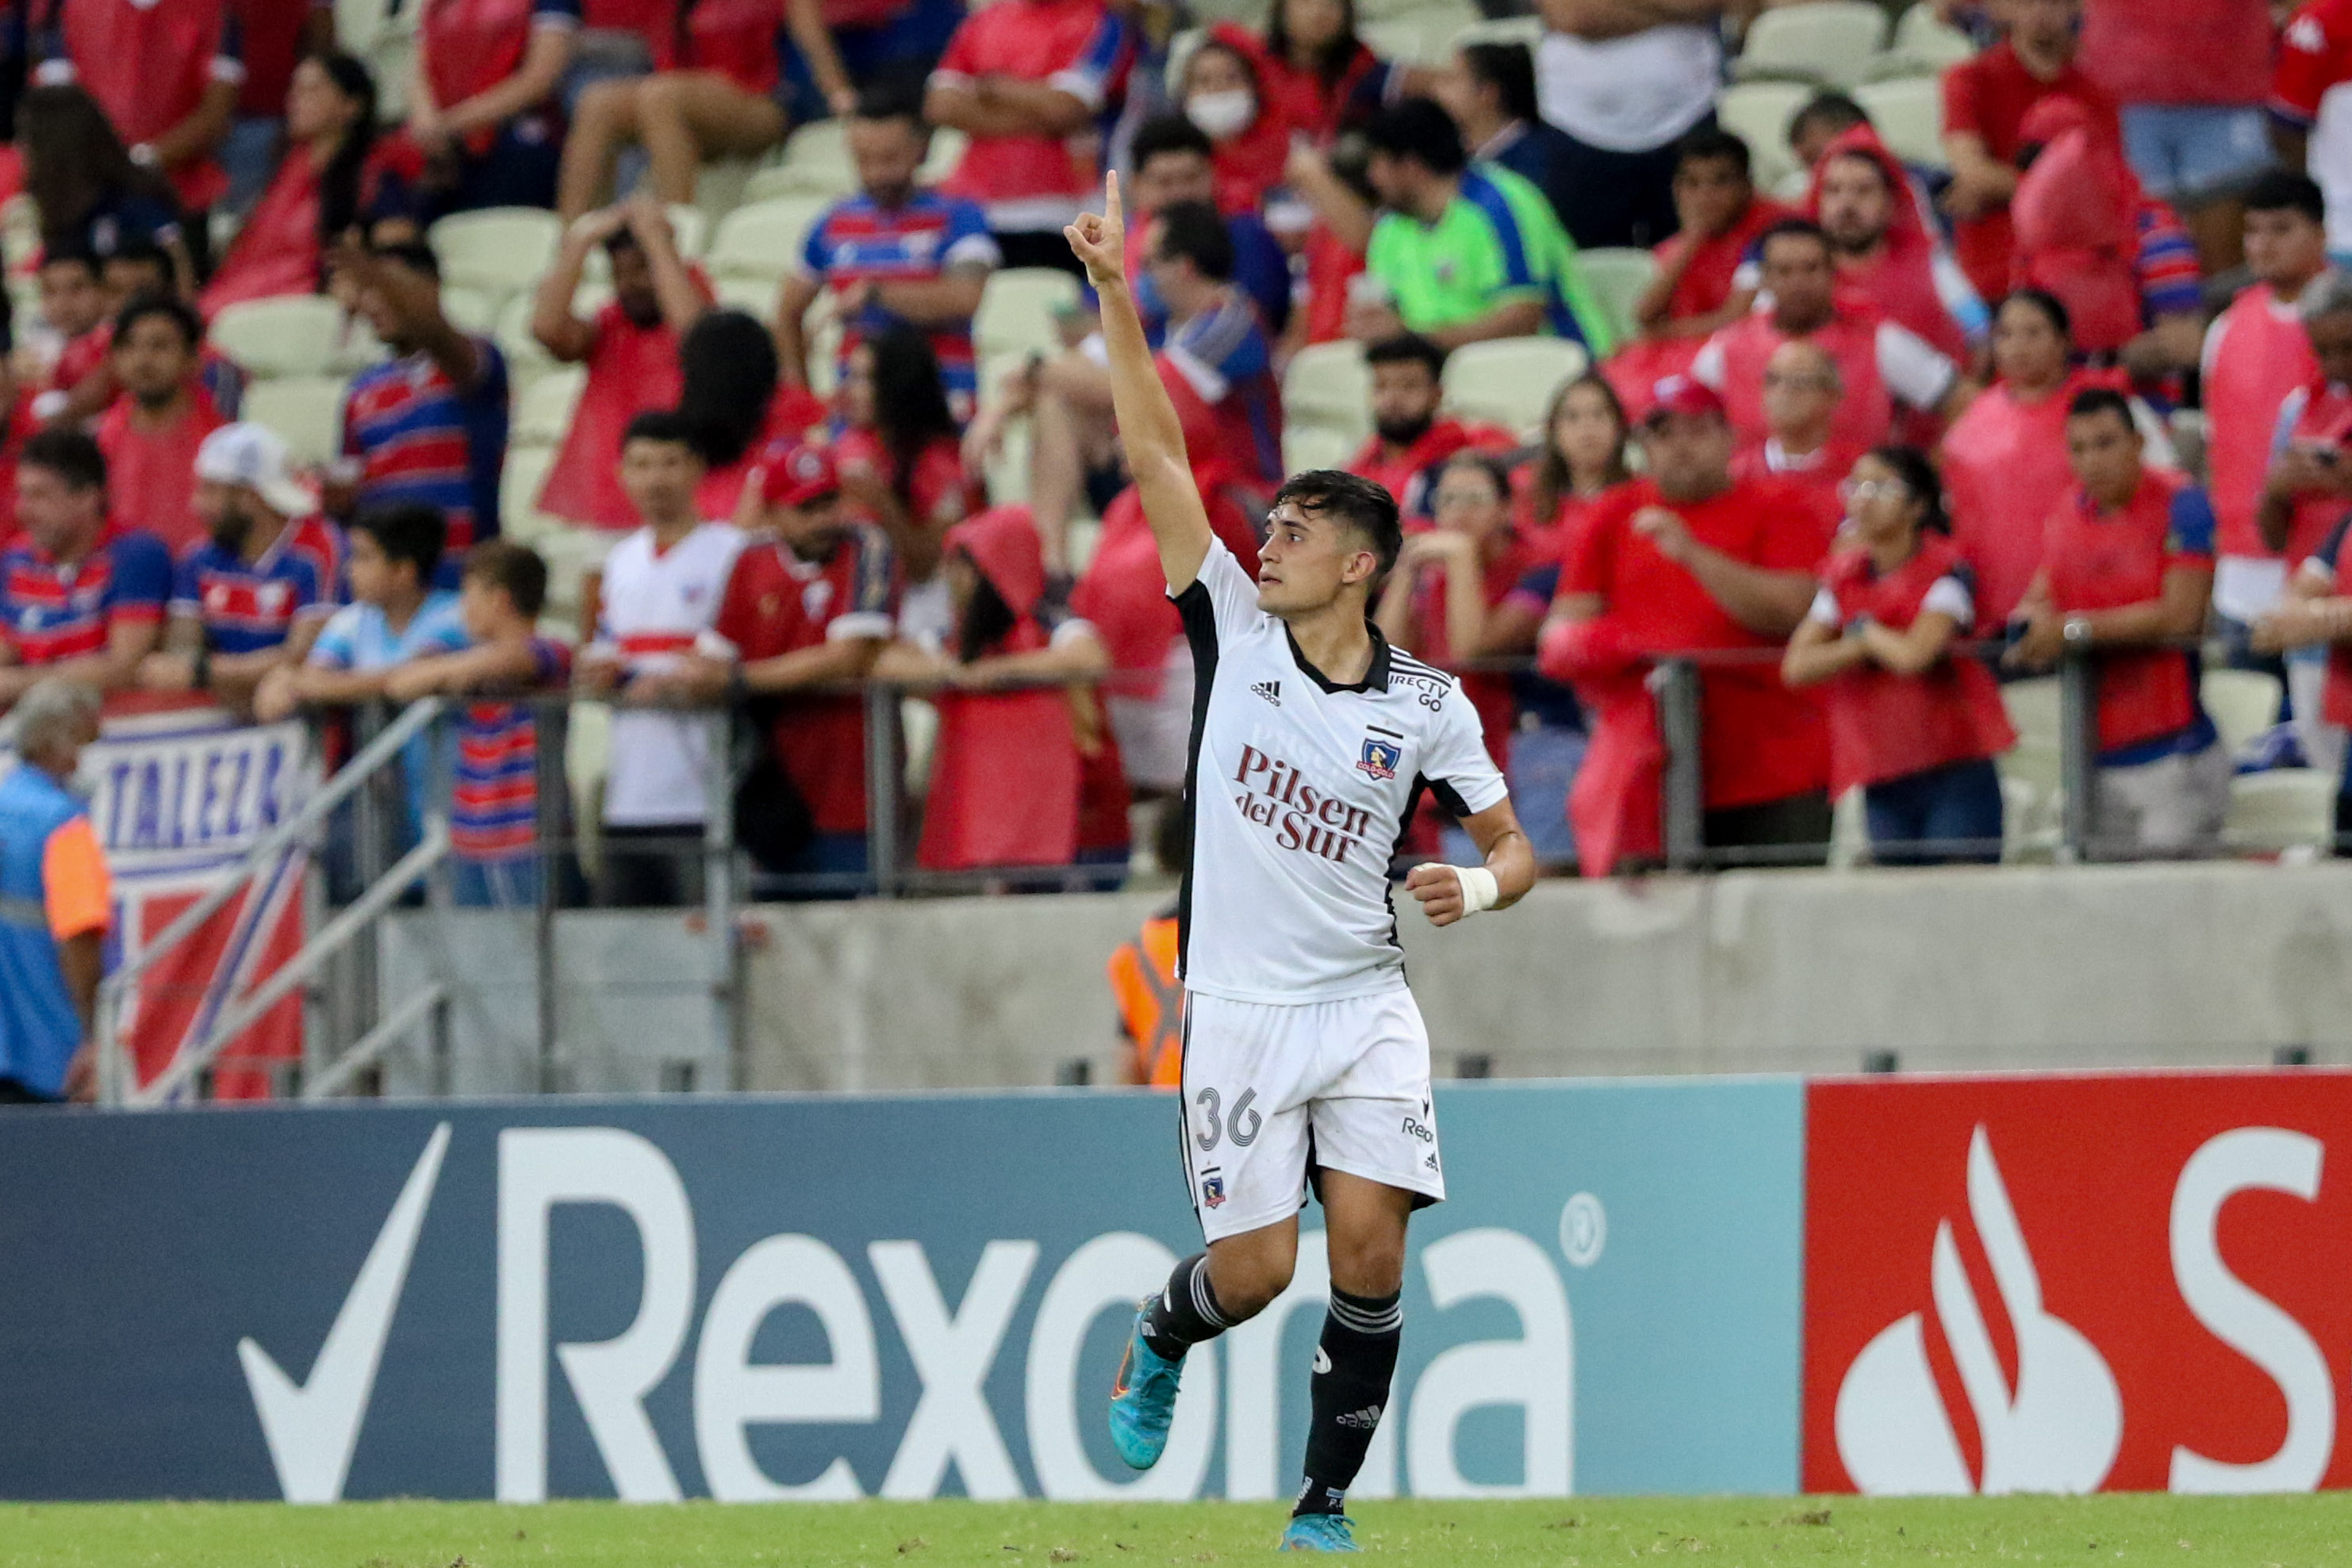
(1185, 1312)
(1353, 1367)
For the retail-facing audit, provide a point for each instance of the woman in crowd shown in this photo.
(1007, 773)
(328, 183)
(1316, 71)
(739, 409)
(715, 98)
(2004, 461)
(901, 462)
(1250, 137)
(1462, 591)
(1584, 454)
(482, 101)
(1913, 719)
(91, 198)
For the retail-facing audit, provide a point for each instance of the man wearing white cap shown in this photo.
(253, 593)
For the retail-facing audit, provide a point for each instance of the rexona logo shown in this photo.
(2063, 1284)
(1045, 1316)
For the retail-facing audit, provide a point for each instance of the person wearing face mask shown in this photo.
(1409, 442)
(253, 596)
(630, 347)
(1914, 722)
(1222, 95)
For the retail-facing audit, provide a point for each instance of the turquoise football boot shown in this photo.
(1319, 1533)
(1142, 1399)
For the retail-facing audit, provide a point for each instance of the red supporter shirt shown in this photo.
(792, 414)
(2256, 355)
(1489, 691)
(1707, 286)
(939, 495)
(2100, 561)
(1988, 95)
(151, 474)
(738, 40)
(1819, 474)
(777, 604)
(1029, 183)
(2178, 51)
(271, 33)
(1759, 740)
(471, 45)
(631, 369)
(147, 64)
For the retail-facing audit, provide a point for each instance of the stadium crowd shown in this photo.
(1873, 399)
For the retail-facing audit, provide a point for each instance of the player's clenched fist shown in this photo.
(1099, 240)
(1439, 888)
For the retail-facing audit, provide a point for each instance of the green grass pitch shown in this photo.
(2255, 1531)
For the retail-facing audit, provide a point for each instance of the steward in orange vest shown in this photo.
(1151, 1003)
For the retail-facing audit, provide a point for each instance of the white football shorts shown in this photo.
(1274, 1093)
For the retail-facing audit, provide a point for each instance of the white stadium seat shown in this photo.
(1835, 42)
(1305, 447)
(542, 411)
(1016, 311)
(307, 412)
(1758, 113)
(1909, 114)
(498, 249)
(1510, 381)
(1331, 385)
(1618, 277)
(763, 239)
(1925, 44)
(2290, 809)
(294, 335)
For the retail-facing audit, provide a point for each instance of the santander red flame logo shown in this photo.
(2054, 1428)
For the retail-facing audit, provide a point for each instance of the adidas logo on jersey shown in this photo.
(1362, 1420)
(1270, 690)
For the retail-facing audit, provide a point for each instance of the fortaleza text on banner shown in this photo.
(178, 793)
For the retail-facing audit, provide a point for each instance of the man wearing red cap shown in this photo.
(806, 610)
(1688, 558)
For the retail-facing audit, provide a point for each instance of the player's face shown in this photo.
(1307, 561)
(59, 517)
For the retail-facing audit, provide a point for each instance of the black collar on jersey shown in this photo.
(1376, 673)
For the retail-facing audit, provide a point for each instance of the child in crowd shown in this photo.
(494, 813)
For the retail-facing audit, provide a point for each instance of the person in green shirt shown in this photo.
(1462, 251)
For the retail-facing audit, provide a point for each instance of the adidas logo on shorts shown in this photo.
(1363, 1420)
(1270, 690)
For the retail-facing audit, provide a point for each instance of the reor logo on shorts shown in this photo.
(1314, 821)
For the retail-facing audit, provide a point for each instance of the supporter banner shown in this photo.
(178, 794)
(802, 1298)
(2065, 1283)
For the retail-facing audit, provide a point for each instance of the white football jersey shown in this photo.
(659, 605)
(1301, 791)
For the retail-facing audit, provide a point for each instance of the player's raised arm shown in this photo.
(1147, 427)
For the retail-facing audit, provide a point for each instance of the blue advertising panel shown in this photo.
(769, 1298)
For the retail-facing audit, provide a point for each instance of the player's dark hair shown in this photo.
(190, 325)
(1168, 133)
(1355, 502)
(2053, 308)
(667, 426)
(1510, 70)
(1407, 349)
(2285, 191)
(413, 254)
(727, 363)
(1713, 144)
(1418, 129)
(1196, 231)
(1795, 228)
(75, 254)
(1832, 112)
(2096, 401)
(71, 454)
(1918, 476)
(516, 569)
(408, 532)
(910, 403)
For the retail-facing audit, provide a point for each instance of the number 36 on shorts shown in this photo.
(1213, 1125)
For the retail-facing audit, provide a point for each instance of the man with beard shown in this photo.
(78, 597)
(254, 594)
(1409, 443)
(1886, 252)
(151, 434)
(630, 347)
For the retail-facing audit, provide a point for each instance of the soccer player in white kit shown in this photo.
(1304, 1059)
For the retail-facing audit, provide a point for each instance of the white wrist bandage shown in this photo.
(1479, 888)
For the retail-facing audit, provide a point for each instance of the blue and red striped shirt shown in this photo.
(494, 815)
(247, 607)
(420, 437)
(50, 612)
(858, 241)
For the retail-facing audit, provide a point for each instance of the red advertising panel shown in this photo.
(2061, 1283)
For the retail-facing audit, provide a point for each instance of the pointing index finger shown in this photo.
(1110, 196)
